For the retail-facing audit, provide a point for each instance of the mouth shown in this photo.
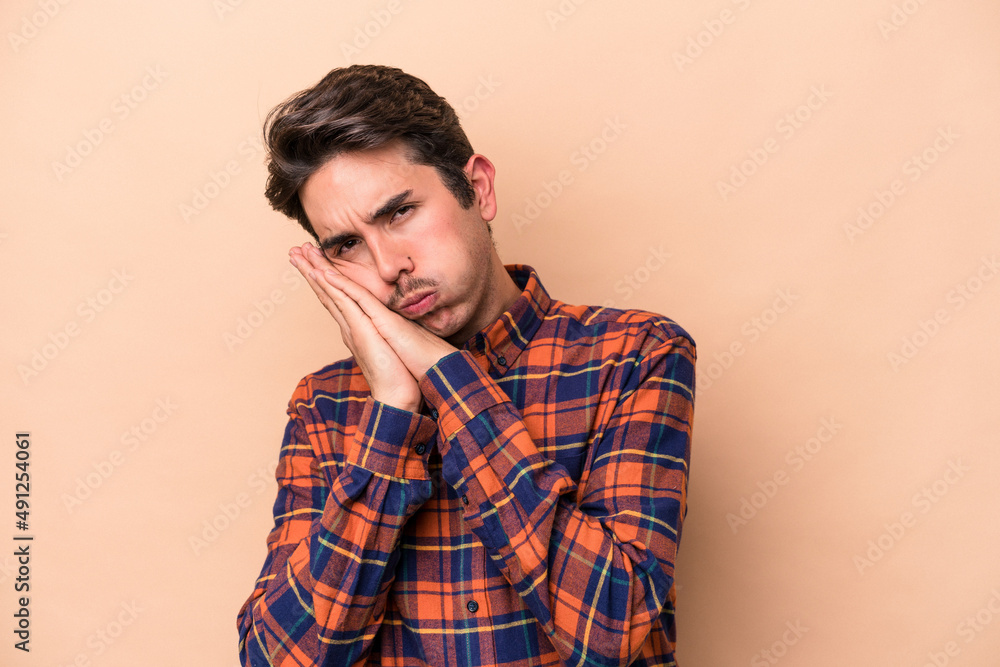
(418, 304)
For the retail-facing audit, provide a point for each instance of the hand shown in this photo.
(393, 353)
(388, 378)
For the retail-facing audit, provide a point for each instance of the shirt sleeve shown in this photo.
(594, 560)
(331, 556)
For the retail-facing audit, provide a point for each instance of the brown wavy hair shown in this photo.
(357, 108)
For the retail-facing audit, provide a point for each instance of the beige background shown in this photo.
(150, 278)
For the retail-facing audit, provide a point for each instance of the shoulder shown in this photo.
(630, 349)
(639, 330)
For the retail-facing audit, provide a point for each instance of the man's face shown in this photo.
(394, 228)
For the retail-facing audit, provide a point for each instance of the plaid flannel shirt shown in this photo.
(530, 517)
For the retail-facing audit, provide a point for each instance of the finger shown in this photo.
(318, 259)
(327, 294)
(354, 316)
(308, 272)
(403, 336)
(380, 364)
(310, 257)
(365, 299)
(304, 256)
(339, 304)
(346, 304)
(300, 252)
(368, 345)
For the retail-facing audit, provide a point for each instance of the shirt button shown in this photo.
(465, 500)
(473, 606)
(420, 449)
(434, 413)
(502, 360)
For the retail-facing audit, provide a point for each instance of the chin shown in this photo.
(439, 331)
(441, 324)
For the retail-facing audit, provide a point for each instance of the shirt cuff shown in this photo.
(458, 389)
(391, 442)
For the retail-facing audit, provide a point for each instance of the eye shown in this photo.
(402, 212)
(341, 249)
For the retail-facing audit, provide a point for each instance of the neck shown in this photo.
(499, 294)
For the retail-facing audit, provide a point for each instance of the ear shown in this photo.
(480, 172)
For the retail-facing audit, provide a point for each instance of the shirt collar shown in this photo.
(502, 342)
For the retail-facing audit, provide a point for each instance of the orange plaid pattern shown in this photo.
(531, 515)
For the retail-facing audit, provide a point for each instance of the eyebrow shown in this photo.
(388, 207)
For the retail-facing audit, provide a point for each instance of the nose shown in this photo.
(391, 259)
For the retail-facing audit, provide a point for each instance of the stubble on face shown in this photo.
(405, 287)
(478, 299)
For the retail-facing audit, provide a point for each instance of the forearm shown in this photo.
(593, 562)
(332, 555)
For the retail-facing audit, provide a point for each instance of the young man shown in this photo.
(494, 477)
